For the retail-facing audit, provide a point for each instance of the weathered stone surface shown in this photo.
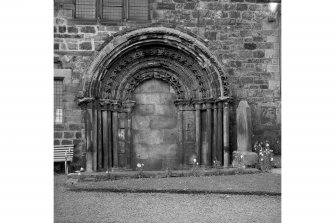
(68, 135)
(244, 127)
(239, 37)
(242, 7)
(74, 127)
(78, 135)
(66, 142)
(58, 135)
(162, 122)
(73, 36)
(87, 29)
(244, 159)
(258, 54)
(166, 6)
(62, 29)
(72, 46)
(250, 46)
(85, 46)
(155, 125)
(72, 29)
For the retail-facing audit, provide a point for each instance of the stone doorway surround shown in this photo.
(134, 56)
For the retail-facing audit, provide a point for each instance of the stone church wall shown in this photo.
(242, 34)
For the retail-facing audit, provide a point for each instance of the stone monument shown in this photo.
(244, 155)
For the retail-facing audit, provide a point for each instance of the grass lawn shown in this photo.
(261, 182)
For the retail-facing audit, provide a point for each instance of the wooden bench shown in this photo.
(63, 154)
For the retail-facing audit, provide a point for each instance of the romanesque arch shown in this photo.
(132, 57)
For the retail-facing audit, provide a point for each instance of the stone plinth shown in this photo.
(244, 159)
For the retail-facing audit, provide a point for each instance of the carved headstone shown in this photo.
(243, 123)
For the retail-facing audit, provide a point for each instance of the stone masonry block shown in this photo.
(271, 53)
(161, 122)
(87, 29)
(147, 109)
(74, 127)
(273, 68)
(68, 135)
(85, 46)
(258, 54)
(211, 35)
(72, 29)
(247, 15)
(190, 5)
(72, 46)
(66, 73)
(56, 142)
(274, 84)
(58, 135)
(234, 14)
(166, 6)
(78, 135)
(242, 7)
(66, 142)
(250, 46)
(62, 29)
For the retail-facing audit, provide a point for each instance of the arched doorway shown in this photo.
(154, 125)
(115, 97)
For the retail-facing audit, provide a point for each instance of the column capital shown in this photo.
(128, 105)
(83, 101)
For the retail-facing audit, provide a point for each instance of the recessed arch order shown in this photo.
(126, 59)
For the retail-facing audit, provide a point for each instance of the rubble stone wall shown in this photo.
(242, 34)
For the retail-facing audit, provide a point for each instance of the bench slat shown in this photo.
(59, 153)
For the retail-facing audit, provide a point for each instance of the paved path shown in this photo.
(157, 207)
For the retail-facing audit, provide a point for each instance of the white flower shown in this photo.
(81, 169)
(267, 144)
(271, 159)
(142, 164)
(138, 165)
(107, 171)
(261, 159)
(241, 156)
(194, 160)
(197, 163)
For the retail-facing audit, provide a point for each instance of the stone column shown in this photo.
(95, 137)
(220, 133)
(207, 153)
(89, 134)
(128, 106)
(197, 131)
(115, 133)
(215, 133)
(105, 138)
(180, 133)
(110, 137)
(226, 134)
(99, 125)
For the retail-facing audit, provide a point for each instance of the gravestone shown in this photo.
(243, 157)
